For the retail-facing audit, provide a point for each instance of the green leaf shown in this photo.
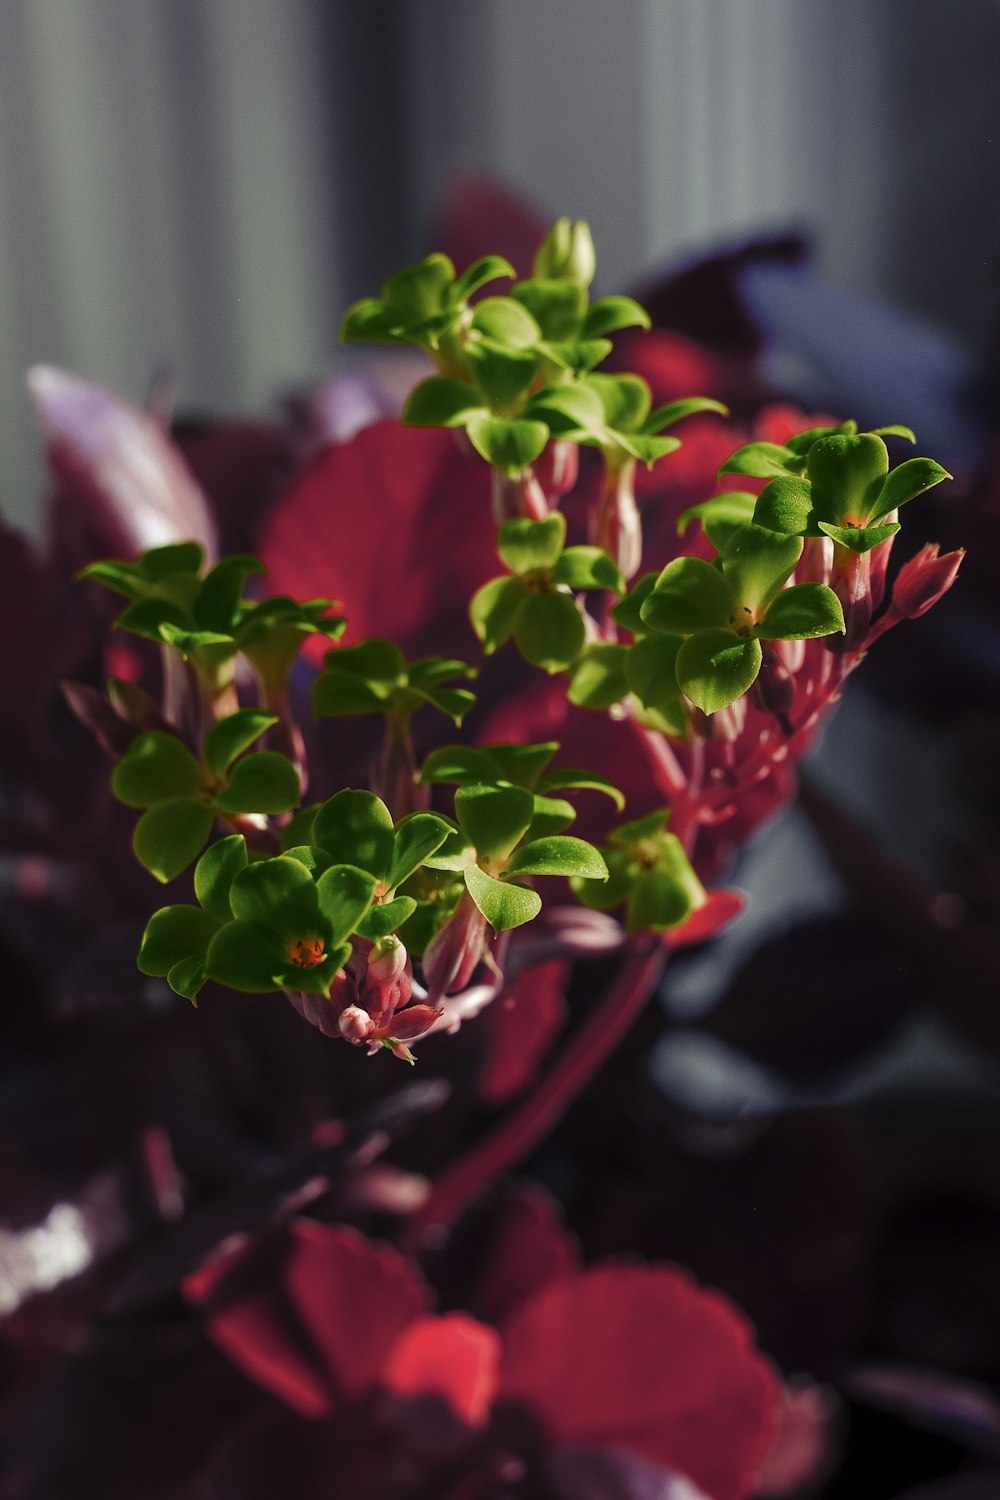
(416, 836)
(219, 596)
(558, 307)
(229, 737)
(651, 672)
(277, 893)
(602, 895)
(489, 268)
(608, 314)
(715, 667)
(120, 577)
(859, 538)
(215, 872)
(315, 860)
(801, 442)
(848, 474)
(675, 411)
(558, 856)
(504, 904)
(588, 568)
(178, 557)
(895, 430)
(508, 443)
(441, 401)
(379, 921)
(454, 702)
(459, 764)
(494, 818)
(625, 400)
(374, 660)
(786, 505)
(688, 595)
(335, 692)
(369, 322)
(493, 611)
(503, 375)
(597, 677)
(569, 410)
(264, 782)
(551, 815)
(657, 902)
(905, 482)
(642, 831)
(528, 545)
(572, 779)
(506, 321)
(628, 611)
(720, 516)
(455, 854)
(757, 563)
(522, 765)
(549, 631)
(246, 957)
(758, 461)
(215, 644)
(802, 612)
(576, 355)
(344, 894)
(169, 836)
(356, 827)
(173, 933)
(417, 292)
(155, 766)
(647, 449)
(188, 976)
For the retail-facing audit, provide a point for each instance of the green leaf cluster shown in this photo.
(650, 873)
(717, 614)
(206, 617)
(534, 603)
(287, 922)
(182, 795)
(374, 677)
(831, 481)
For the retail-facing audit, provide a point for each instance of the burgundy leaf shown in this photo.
(311, 1313)
(526, 1248)
(521, 1026)
(645, 1359)
(453, 1358)
(480, 217)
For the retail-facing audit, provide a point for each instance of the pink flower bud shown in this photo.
(388, 980)
(453, 952)
(614, 521)
(356, 1025)
(923, 580)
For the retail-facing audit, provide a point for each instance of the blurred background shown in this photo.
(206, 184)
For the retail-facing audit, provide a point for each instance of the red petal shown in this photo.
(122, 484)
(721, 908)
(454, 1358)
(643, 1358)
(310, 1314)
(520, 1027)
(396, 524)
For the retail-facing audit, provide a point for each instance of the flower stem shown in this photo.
(531, 1121)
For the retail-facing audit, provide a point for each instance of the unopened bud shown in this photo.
(614, 522)
(567, 253)
(773, 690)
(923, 580)
(454, 952)
(355, 1025)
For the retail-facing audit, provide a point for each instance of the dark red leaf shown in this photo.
(526, 1248)
(396, 523)
(480, 217)
(643, 1358)
(311, 1313)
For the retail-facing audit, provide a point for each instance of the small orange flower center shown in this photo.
(306, 952)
